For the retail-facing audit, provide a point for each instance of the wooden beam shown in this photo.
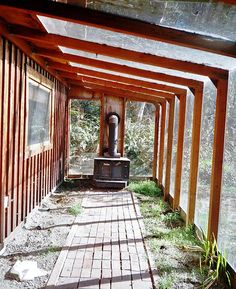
(117, 92)
(217, 160)
(155, 149)
(162, 142)
(88, 80)
(169, 148)
(102, 119)
(112, 67)
(141, 73)
(116, 52)
(194, 162)
(122, 127)
(121, 24)
(179, 153)
(27, 49)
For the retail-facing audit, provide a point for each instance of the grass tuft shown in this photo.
(75, 210)
(147, 188)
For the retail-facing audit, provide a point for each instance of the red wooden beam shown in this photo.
(121, 24)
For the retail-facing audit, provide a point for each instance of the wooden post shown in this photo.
(102, 118)
(196, 127)
(179, 153)
(217, 160)
(169, 147)
(155, 149)
(122, 124)
(162, 142)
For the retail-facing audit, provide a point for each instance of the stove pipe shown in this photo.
(113, 121)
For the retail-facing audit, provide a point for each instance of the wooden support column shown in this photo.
(218, 155)
(122, 124)
(102, 119)
(155, 149)
(179, 153)
(169, 147)
(196, 128)
(67, 137)
(162, 142)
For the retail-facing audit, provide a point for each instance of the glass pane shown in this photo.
(202, 17)
(139, 137)
(134, 43)
(205, 156)
(187, 152)
(227, 225)
(174, 147)
(84, 136)
(165, 143)
(39, 114)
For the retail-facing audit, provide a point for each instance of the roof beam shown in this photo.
(121, 24)
(107, 84)
(129, 55)
(116, 92)
(109, 66)
(141, 73)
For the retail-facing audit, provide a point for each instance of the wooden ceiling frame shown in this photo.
(35, 36)
(53, 55)
(122, 93)
(121, 24)
(106, 84)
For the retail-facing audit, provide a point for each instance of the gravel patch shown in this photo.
(40, 238)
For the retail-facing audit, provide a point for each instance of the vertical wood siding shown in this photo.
(25, 180)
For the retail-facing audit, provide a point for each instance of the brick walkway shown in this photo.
(105, 247)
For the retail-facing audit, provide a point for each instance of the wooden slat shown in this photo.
(2, 210)
(122, 24)
(217, 160)
(102, 119)
(162, 142)
(179, 153)
(112, 67)
(155, 149)
(196, 129)
(169, 148)
(125, 54)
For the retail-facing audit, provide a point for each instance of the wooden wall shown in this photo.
(25, 179)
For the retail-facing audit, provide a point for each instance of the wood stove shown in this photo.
(111, 170)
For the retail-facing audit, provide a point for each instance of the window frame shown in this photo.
(46, 84)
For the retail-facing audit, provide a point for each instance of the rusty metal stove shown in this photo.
(111, 170)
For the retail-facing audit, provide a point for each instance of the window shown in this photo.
(39, 114)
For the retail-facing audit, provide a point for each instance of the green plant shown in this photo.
(148, 188)
(215, 262)
(166, 282)
(75, 210)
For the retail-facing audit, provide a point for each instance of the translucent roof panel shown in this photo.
(202, 17)
(138, 44)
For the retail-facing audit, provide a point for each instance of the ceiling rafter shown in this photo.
(34, 35)
(142, 73)
(106, 65)
(122, 24)
(88, 80)
(73, 92)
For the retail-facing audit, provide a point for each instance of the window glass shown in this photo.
(38, 114)
(227, 223)
(187, 152)
(174, 147)
(205, 156)
(139, 137)
(84, 136)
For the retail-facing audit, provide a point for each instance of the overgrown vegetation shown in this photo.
(75, 210)
(145, 187)
(183, 259)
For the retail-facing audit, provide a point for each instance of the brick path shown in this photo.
(105, 248)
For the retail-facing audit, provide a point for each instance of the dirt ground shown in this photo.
(40, 238)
